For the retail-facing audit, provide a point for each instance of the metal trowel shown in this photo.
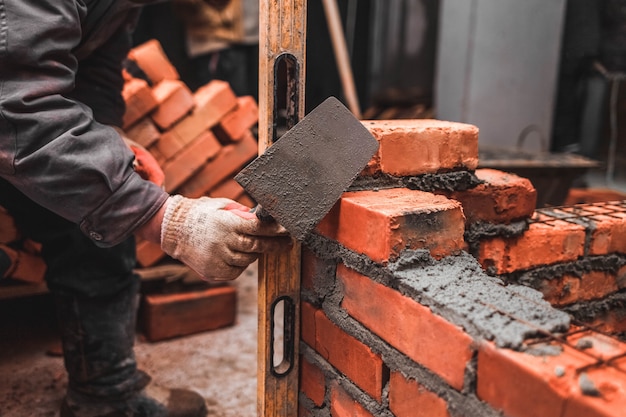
(302, 175)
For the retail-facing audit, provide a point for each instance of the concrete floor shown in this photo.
(220, 364)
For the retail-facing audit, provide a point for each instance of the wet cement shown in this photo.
(447, 181)
(459, 290)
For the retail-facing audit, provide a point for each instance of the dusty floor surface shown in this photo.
(219, 364)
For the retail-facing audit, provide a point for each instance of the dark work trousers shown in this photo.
(96, 293)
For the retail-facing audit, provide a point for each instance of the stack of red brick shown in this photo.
(201, 139)
(22, 255)
(398, 319)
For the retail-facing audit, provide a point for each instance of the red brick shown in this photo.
(612, 321)
(190, 160)
(225, 164)
(609, 234)
(211, 102)
(139, 101)
(520, 384)
(307, 323)
(611, 385)
(170, 144)
(342, 405)
(569, 289)
(245, 200)
(144, 132)
(234, 125)
(503, 198)
(381, 224)
(25, 266)
(148, 253)
(351, 357)
(592, 195)
(227, 189)
(407, 396)
(175, 101)
(165, 316)
(542, 244)
(303, 412)
(596, 344)
(312, 382)
(151, 58)
(8, 229)
(410, 327)
(415, 147)
(310, 265)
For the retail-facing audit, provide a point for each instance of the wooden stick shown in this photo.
(282, 42)
(338, 39)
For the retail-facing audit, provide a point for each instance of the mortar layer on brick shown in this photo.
(501, 198)
(408, 326)
(459, 290)
(461, 404)
(547, 241)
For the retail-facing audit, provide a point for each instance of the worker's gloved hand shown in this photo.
(217, 237)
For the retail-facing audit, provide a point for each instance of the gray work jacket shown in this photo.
(60, 88)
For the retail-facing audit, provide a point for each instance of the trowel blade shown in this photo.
(300, 177)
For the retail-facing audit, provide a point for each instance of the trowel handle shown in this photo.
(262, 214)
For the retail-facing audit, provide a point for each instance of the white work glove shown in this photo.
(217, 237)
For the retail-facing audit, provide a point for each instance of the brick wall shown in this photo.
(434, 288)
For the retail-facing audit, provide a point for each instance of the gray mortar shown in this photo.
(587, 386)
(458, 289)
(589, 310)
(477, 231)
(447, 181)
(533, 278)
(586, 222)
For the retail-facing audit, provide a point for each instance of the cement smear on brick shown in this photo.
(535, 277)
(457, 288)
(447, 181)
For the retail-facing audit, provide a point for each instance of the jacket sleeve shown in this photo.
(51, 148)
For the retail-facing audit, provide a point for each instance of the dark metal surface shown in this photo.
(301, 176)
(552, 174)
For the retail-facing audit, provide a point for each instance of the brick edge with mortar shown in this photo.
(395, 325)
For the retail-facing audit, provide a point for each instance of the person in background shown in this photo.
(68, 179)
(222, 42)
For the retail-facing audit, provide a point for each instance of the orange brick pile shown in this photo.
(411, 303)
(201, 139)
(24, 254)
